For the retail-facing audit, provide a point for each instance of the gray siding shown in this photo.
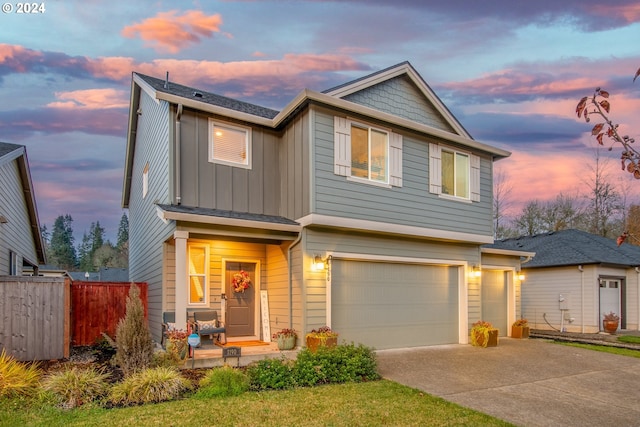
(411, 204)
(210, 185)
(295, 167)
(146, 231)
(401, 97)
(16, 234)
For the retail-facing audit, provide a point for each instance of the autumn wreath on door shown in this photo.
(241, 281)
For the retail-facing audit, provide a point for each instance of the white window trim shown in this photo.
(435, 173)
(248, 143)
(342, 152)
(205, 275)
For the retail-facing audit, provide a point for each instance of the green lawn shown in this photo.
(374, 403)
(605, 349)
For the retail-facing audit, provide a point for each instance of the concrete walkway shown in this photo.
(530, 382)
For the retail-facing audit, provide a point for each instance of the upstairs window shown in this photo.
(454, 173)
(367, 152)
(229, 145)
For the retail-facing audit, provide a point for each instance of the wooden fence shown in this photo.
(34, 317)
(98, 307)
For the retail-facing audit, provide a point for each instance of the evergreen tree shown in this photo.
(123, 231)
(63, 253)
(84, 254)
(134, 346)
(96, 234)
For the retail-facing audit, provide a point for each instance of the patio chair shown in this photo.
(207, 323)
(168, 323)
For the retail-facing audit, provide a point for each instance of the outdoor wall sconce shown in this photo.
(476, 271)
(521, 275)
(318, 263)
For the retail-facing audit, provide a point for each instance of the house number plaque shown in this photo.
(231, 352)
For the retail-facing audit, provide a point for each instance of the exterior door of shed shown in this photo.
(240, 318)
(394, 305)
(609, 298)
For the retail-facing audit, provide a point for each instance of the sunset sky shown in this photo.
(512, 72)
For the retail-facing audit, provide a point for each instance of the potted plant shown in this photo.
(520, 329)
(321, 337)
(286, 338)
(483, 334)
(610, 322)
(177, 344)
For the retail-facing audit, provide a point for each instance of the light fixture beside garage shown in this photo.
(521, 276)
(318, 263)
(476, 271)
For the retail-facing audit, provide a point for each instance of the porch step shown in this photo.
(212, 357)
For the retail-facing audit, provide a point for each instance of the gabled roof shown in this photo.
(571, 247)
(185, 96)
(8, 153)
(404, 68)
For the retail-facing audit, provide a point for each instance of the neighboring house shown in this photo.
(363, 207)
(21, 245)
(105, 274)
(575, 277)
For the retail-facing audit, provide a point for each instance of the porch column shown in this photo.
(181, 278)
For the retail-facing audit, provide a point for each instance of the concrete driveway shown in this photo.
(529, 382)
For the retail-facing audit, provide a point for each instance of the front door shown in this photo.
(240, 289)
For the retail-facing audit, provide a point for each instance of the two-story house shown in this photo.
(21, 244)
(363, 207)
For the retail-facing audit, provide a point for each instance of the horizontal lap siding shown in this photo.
(16, 233)
(411, 204)
(146, 231)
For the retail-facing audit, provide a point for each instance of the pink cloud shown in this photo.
(170, 32)
(91, 99)
(629, 12)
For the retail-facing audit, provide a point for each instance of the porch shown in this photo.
(210, 355)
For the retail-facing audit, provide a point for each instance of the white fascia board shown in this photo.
(12, 155)
(386, 228)
(146, 87)
(233, 222)
(509, 252)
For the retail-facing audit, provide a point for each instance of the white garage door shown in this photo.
(391, 305)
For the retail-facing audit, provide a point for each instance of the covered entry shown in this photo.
(394, 305)
(495, 299)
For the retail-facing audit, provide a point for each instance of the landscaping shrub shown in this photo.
(165, 359)
(17, 378)
(149, 386)
(222, 382)
(275, 374)
(134, 346)
(328, 365)
(75, 386)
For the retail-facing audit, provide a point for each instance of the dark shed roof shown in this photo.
(572, 247)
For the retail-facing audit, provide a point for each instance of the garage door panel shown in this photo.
(388, 305)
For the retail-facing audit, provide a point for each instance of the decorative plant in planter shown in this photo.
(177, 344)
(286, 338)
(520, 329)
(483, 334)
(610, 322)
(321, 337)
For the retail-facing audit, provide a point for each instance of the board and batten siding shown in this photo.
(15, 235)
(146, 231)
(400, 96)
(411, 205)
(295, 167)
(217, 186)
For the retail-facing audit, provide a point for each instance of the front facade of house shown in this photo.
(363, 208)
(21, 246)
(577, 277)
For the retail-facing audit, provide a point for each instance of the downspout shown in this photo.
(177, 154)
(581, 296)
(638, 284)
(295, 242)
